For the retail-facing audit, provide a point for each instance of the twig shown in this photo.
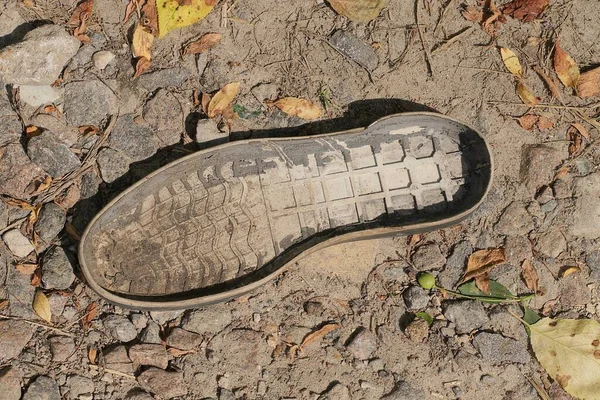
(456, 37)
(112, 371)
(425, 49)
(597, 105)
(65, 333)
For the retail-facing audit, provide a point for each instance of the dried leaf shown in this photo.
(68, 198)
(569, 351)
(492, 18)
(589, 83)
(566, 68)
(173, 14)
(4, 304)
(88, 130)
(317, 335)
(205, 100)
(41, 306)
(483, 283)
(511, 62)
(358, 10)
(472, 13)
(530, 276)
(21, 204)
(44, 185)
(526, 96)
(525, 10)
(222, 99)
(482, 261)
(149, 17)
(545, 123)
(528, 121)
(141, 43)
(32, 131)
(582, 130)
(569, 270)
(36, 278)
(550, 83)
(206, 42)
(576, 135)
(91, 311)
(300, 108)
(141, 66)
(562, 172)
(92, 355)
(26, 268)
(132, 7)
(81, 12)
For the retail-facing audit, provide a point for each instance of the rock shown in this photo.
(395, 272)
(12, 23)
(551, 243)
(149, 354)
(336, 391)
(162, 317)
(355, 49)
(67, 135)
(135, 140)
(574, 292)
(488, 380)
(467, 315)
(404, 391)
(57, 272)
(36, 96)
(112, 164)
(102, 59)
(209, 134)
(163, 113)
(17, 172)
(61, 347)
(561, 189)
(57, 303)
(162, 78)
(515, 220)
(51, 155)
(538, 163)
(428, 257)
(362, 344)
(502, 321)
(120, 328)
(544, 195)
(226, 394)
(14, 336)
(497, 349)
(10, 125)
(10, 383)
(417, 330)
(17, 243)
(88, 103)
(151, 334)
(415, 298)
(265, 91)
(80, 386)
(164, 384)
(210, 320)
(116, 358)
(39, 58)
(42, 388)
(138, 394)
(586, 219)
(20, 295)
(183, 340)
(592, 260)
(455, 264)
(517, 249)
(140, 321)
(50, 222)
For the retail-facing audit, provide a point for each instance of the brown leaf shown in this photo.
(149, 17)
(32, 131)
(483, 283)
(44, 185)
(545, 123)
(88, 130)
(472, 13)
(589, 83)
(92, 355)
(80, 31)
(91, 311)
(576, 135)
(68, 198)
(482, 261)
(222, 99)
(526, 96)
(142, 64)
(36, 278)
(566, 68)
(141, 42)
(550, 83)
(300, 108)
(525, 10)
(26, 268)
(492, 18)
(582, 130)
(528, 121)
(562, 172)
(530, 276)
(82, 12)
(41, 306)
(317, 335)
(132, 7)
(3, 304)
(358, 10)
(206, 42)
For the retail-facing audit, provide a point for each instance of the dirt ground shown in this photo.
(248, 348)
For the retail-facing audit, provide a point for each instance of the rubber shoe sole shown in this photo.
(223, 221)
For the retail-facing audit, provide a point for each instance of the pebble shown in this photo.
(67, 135)
(226, 394)
(312, 307)
(551, 243)
(140, 321)
(88, 103)
(183, 340)
(151, 333)
(36, 96)
(417, 330)
(102, 59)
(17, 172)
(517, 249)
(538, 163)
(20, 295)
(265, 91)
(497, 349)
(515, 220)
(362, 344)
(549, 206)
(42, 388)
(355, 49)
(561, 189)
(119, 327)
(112, 164)
(467, 315)
(57, 271)
(61, 347)
(488, 380)
(163, 113)
(50, 222)
(173, 77)
(17, 243)
(428, 257)
(116, 358)
(404, 391)
(211, 320)
(455, 264)
(149, 354)
(164, 384)
(586, 222)
(138, 394)
(336, 391)
(80, 386)
(415, 298)
(10, 125)
(132, 138)
(162, 317)
(39, 58)
(10, 380)
(592, 260)
(52, 155)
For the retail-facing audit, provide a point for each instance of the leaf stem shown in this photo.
(513, 299)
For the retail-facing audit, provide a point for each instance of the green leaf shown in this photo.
(530, 316)
(498, 292)
(244, 113)
(423, 315)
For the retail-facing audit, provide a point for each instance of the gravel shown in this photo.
(14, 336)
(20, 295)
(57, 271)
(467, 315)
(10, 125)
(10, 380)
(36, 96)
(149, 354)
(183, 340)
(164, 384)
(80, 386)
(112, 164)
(415, 298)
(355, 49)
(134, 139)
(102, 59)
(14, 182)
(362, 344)
(455, 264)
(428, 257)
(151, 333)
(88, 103)
(52, 155)
(60, 130)
(551, 243)
(498, 349)
(50, 222)
(17, 243)
(120, 328)
(61, 347)
(42, 388)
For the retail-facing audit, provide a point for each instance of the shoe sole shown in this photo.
(223, 221)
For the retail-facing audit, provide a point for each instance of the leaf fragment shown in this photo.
(317, 335)
(526, 96)
(498, 292)
(358, 10)
(425, 316)
(482, 261)
(91, 311)
(569, 271)
(589, 83)
(92, 355)
(577, 135)
(173, 14)
(300, 108)
(530, 275)
(41, 306)
(545, 123)
(222, 99)
(472, 13)
(79, 19)
(528, 121)
(511, 62)
(141, 42)
(3, 304)
(142, 65)
(525, 10)
(565, 67)
(205, 43)
(26, 268)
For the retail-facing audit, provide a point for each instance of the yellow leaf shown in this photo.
(173, 14)
(141, 43)
(566, 68)
(569, 350)
(222, 99)
(569, 270)
(358, 10)
(526, 96)
(301, 108)
(482, 261)
(511, 62)
(206, 42)
(41, 306)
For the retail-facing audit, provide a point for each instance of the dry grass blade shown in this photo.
(566, 68)
(550, 82)
(526, 96)
(41, 306)
(530, 276)
(482, 261)
(206, 42)
(317, 335)
(589, 83)
(511, 62)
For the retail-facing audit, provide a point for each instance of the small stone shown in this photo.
(102, 59)
(134, 139)
(265, 91)
(261, 388)
(467, 315)
(36, 96)
(209, 134)
(140, 321)
(544, 195)
(151, 334)
(14, 336)
(163, 113)
(583, 166)
(50, 222)
(48, 122)
(57, 303)
(417, 330)
(488, 380)
(515, 220)
(561, 189)
(551, 243)
(88, 103)
(173, 77)
(116, 358)
(10, 124)
(538, 163)
(12, 23)
(336, 391)
(112, 164)
(39, 58)
(120, 328)
(592, 260)
(138, 394)
(20, 295)
(80, 386)
(355, 49)
(183, 340)
(10, 383)
(17, 172)
(62, 347)
(17, 243)
(226, 394)
(314, 308)
(498, 349)
(404, 391)
(210, 320)
(455, 264)
(164, 384)
(57, 272)
(149, 354)
(162, 317)
(42, 388)
(51, 155)
(586, 220)
(549, 206)
(415, 298)
(363, 344)
(428, 257)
